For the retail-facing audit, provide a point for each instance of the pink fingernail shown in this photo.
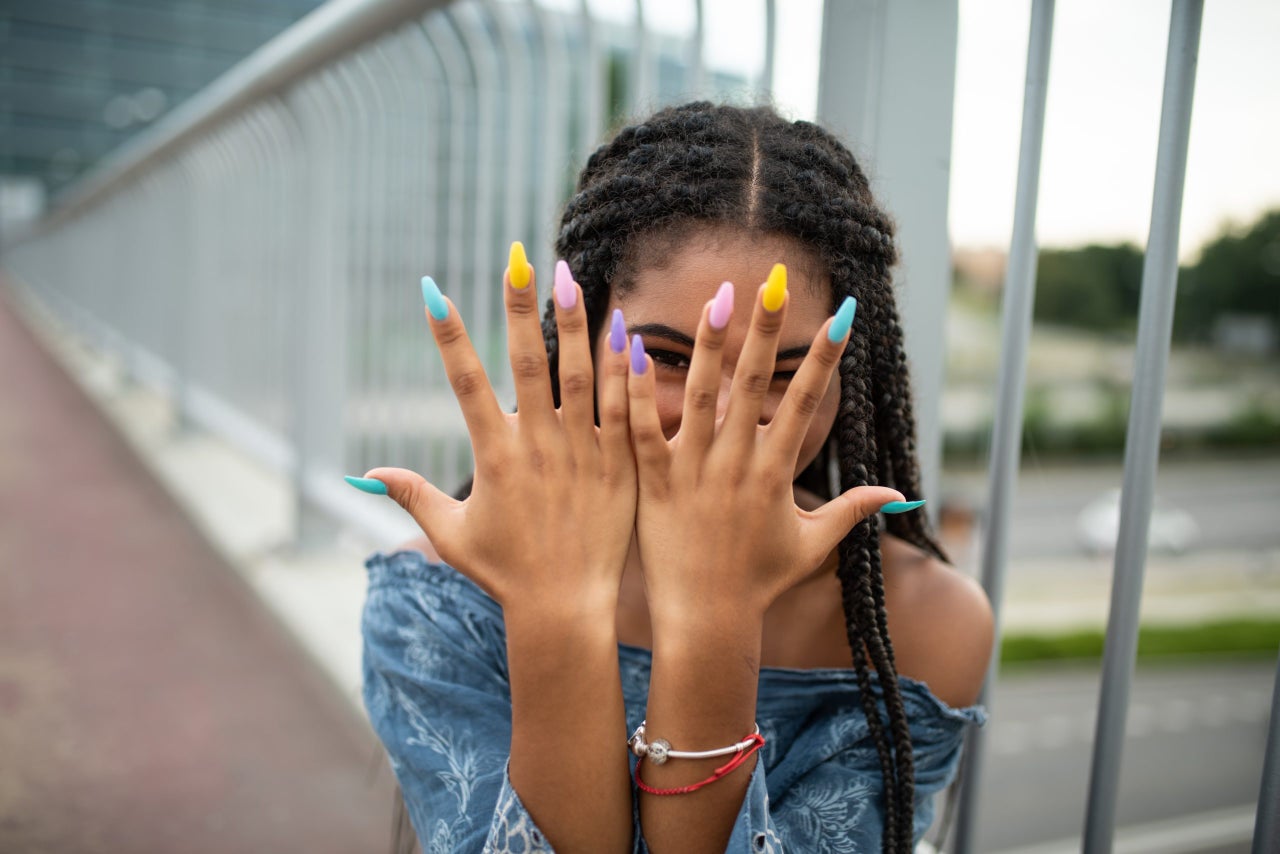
(566, 293)
(722, 308)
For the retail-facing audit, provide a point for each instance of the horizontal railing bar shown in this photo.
(331, 30)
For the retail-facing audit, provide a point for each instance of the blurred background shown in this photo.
(213, 219)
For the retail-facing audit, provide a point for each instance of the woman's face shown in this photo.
(664, 305)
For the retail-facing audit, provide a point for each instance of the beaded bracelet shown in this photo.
(743, 749)
(659, 750)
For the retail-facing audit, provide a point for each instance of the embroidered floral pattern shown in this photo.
(437, 692)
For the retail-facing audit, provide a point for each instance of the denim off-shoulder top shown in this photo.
(437, 690)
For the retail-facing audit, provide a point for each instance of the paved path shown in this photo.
(148, 702)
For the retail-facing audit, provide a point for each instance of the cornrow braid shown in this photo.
(703, 164)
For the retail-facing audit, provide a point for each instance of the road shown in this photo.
(1195, 741)
(1235, 503)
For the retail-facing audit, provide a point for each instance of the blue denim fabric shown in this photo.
(437, 690)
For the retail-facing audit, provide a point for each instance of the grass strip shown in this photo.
(1237, 638)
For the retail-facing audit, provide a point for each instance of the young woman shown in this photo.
(678, 526)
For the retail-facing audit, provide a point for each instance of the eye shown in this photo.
(669, 359)
(783, 376)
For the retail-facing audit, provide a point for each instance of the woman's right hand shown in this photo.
(552, 507)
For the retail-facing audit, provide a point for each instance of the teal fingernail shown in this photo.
(371, 485)
(843, 320)
(901, 506)
(434, 299)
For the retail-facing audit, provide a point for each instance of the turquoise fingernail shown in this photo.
(371, 485)
(843, 320)
(901, 506)
(434, 299)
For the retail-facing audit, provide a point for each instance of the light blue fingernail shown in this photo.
(842, 321)
(371, 485)
(901, 506)
(435, 300)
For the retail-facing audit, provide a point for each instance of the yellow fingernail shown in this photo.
(518, 266)
(775, 290)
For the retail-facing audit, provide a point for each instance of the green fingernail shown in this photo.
(901, 506)
(842, 321)
(434, 299)
(371, 485)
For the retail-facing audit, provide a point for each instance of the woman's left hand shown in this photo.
(718, 528)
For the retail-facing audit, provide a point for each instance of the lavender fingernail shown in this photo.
(722, 308)
(638, 363)
(617, 332)
(566, 293)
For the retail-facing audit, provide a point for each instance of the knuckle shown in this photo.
(806, 402)
(702, 399)
(527, 366)
(756, 383)
(468, 383)
(522, 303)
(449, 334)
(614, 412)
(576, 383)
(571, 321)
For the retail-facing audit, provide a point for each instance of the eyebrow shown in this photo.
(661, 330)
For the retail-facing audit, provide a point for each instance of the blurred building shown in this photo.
(79, 77)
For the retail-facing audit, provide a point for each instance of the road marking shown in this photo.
(1183, 835)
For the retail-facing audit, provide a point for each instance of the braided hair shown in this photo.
(701, 164)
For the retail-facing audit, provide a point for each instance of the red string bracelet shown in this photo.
(755, 742)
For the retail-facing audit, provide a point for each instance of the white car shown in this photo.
(1171, 529)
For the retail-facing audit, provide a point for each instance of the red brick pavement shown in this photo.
(148, 702)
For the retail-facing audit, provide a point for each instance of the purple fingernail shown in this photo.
(617, 332)
(638, 363)
(566, 293)
(722, 308)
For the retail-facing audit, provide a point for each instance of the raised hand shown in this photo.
(552, 506)
(717, 523)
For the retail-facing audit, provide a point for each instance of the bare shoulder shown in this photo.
(420, 544)
(945, 625)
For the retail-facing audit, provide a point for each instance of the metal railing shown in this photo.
(255, 253)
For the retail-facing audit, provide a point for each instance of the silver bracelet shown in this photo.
(659, 750)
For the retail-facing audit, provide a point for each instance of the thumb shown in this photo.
(424, 502)
(837, 517)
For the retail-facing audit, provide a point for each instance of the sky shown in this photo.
(1102, 115)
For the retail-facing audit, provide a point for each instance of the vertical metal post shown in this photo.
(1142, 442)
(887, 84)
(1266, 830)
(1006, 439)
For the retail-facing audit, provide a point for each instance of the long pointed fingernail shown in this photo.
(638, 363)
(371, 485)
(775, 289)
(901, 506)
(518, 269)
(566, 293)
(435, 300)
(843, 320)
(722, 308)
(617, 332)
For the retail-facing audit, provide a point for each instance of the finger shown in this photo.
(702, 385)
(615, 411)
(424, 502)
(525, 345)
(805, 393)
(754, 372)
(577, 378)
(461, 364)
(831, 522)
(652, 453)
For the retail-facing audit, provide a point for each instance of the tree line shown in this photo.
(1097, 287)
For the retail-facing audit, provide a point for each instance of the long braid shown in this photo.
(700, 163)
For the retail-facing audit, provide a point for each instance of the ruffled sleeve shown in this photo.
(438, 694)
